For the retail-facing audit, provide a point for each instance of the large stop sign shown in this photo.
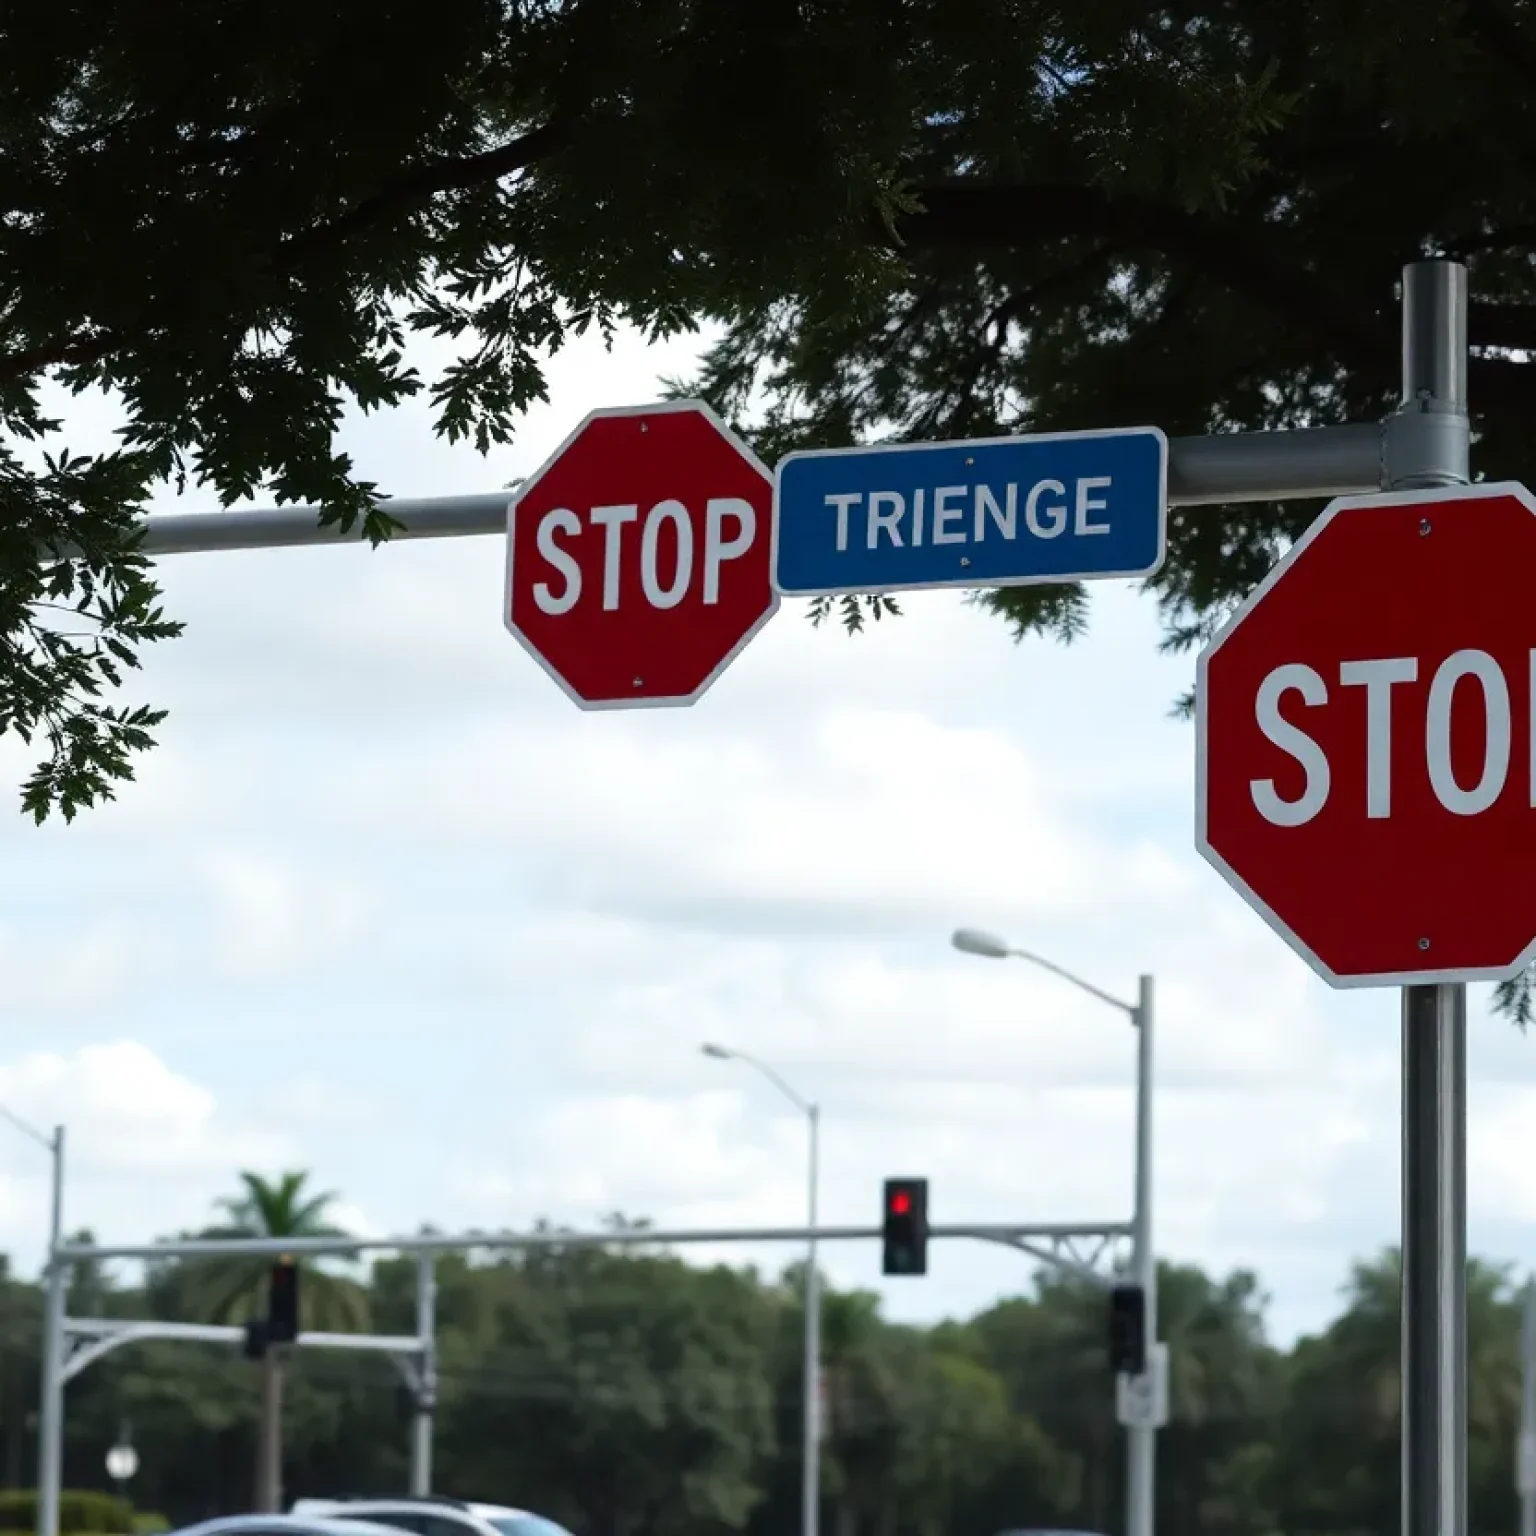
(1366, 723)
(638, 556)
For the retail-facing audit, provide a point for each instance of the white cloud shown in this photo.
(386, 906)
(144, 1144)
(78, 970)
(1502, 1152)
(131, 1112)
(859, 816)
(681, 1153)
(353, 1219)
(271, 918)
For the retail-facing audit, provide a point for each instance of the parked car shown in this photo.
(1037, 1530)
(432, 1515)
(283, 1525)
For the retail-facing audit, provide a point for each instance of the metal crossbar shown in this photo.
(1313, 463)
(89, 1338)
(1012, 1233)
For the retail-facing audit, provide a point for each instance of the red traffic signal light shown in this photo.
(904, 1229)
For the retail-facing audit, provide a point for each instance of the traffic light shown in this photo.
(283, 1302)
(255, 1344)
(904, 1227)
(1128, 1330)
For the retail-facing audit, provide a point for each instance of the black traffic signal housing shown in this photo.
(904, 1227)
(254, 1346)
(1128, 1330)
(283, 1302)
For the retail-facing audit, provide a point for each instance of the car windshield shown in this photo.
(526, 1525)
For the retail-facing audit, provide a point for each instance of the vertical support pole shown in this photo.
(50, 1416)
(810, 1476)
(1427, 445)
(1434, 1262)
(1141, 1439)
(426, 1382)
(269, 1441)
(1525, 1450)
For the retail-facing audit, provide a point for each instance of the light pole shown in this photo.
(50, 1417)
(1141, 1444)
(1525, 1447)
(810, 1472)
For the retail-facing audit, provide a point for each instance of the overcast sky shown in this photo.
(387, 906)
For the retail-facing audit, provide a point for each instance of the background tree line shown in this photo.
(626, 1392)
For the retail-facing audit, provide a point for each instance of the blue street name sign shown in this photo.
(995, 512)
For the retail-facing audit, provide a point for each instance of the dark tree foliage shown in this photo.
(631, 1392)
(915, 218)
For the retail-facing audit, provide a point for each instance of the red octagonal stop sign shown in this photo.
(1366, 769)
(638, 556)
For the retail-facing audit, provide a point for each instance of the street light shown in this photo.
(810, 1472)
(51, 1404)
(122, 1459)
(973, 941)
(1141, 1436)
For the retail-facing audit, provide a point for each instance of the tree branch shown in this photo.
(423, 182)
(1247, 262)
(83, 347)
(1491, 324)
(408, 191)
(1502, 38)
(1513, 238)
(1498, 384)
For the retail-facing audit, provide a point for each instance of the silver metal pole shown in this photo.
(1427, 445)
(1525, 1451)
(1434, 1262)
(810, 1405)
(426, 1385)
(1275, 466)
(473, 1242)
(1141, 1439)
(430, 517)
(810, 1476)
(50, 1417)
(1202, 471)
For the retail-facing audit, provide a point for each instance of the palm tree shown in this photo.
(234, 1290)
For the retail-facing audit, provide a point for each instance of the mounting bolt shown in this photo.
(1423, 943)
(965, 559)
(1425, 525)
(639, 682)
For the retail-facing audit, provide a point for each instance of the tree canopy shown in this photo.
(626, 1391)
(913, 219)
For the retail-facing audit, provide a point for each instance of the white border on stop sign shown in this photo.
(658, 408)
(1482, 491)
